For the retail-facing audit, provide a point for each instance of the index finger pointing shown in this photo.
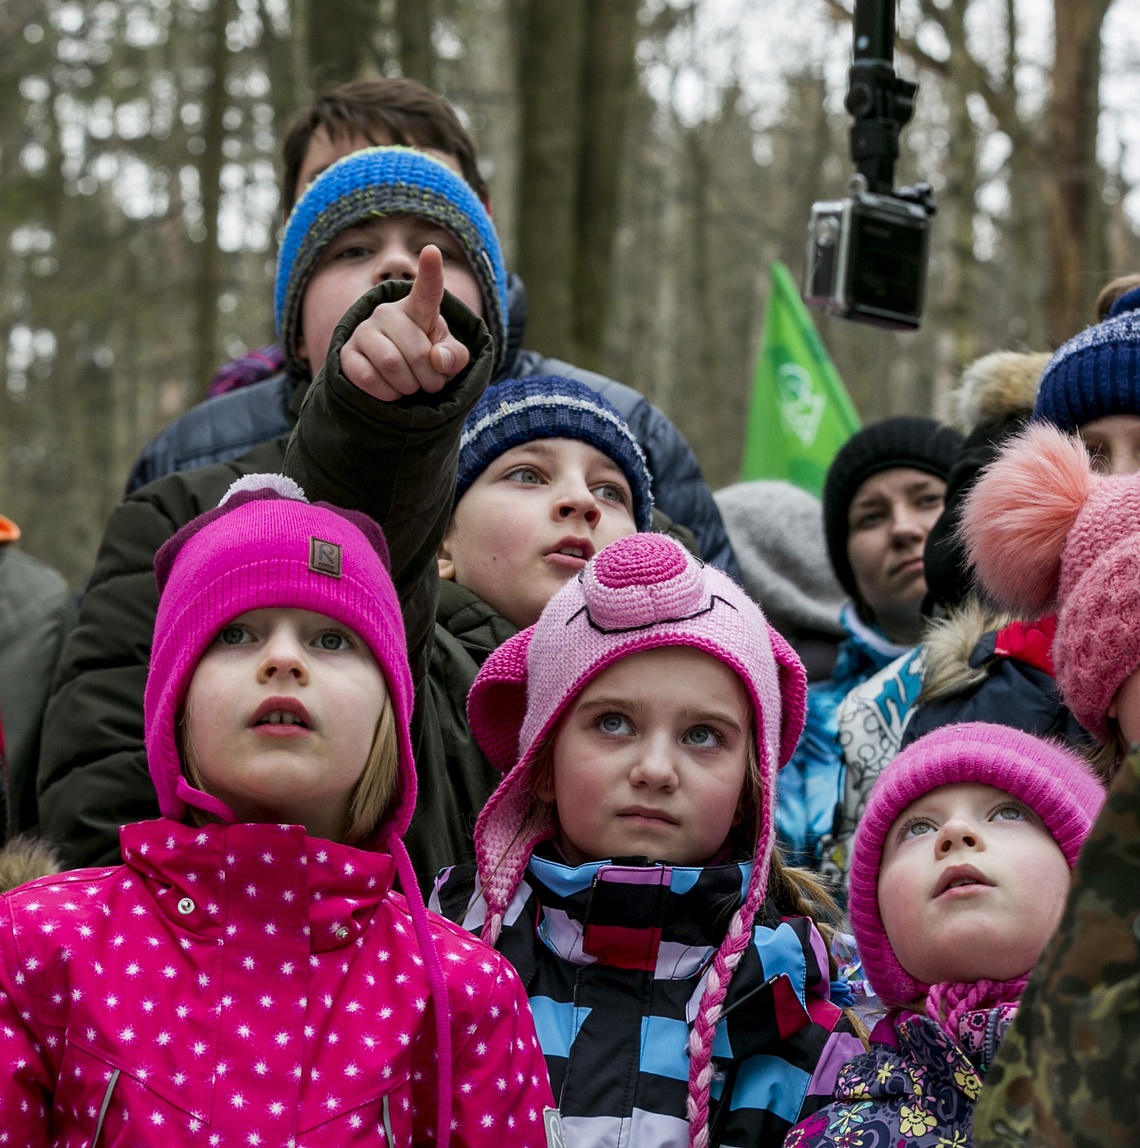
(427, 290)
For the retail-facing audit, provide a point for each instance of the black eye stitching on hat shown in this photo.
(324, 557)
(656, 622)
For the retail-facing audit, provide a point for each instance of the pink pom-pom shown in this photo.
(1019, 513)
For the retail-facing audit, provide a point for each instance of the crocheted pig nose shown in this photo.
(645, 581)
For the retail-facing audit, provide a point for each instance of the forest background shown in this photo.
(648, 160)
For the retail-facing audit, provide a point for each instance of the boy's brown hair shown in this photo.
(384, 111)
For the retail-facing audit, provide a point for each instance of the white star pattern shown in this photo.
(148, 981)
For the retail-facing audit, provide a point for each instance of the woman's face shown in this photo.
(888, 521)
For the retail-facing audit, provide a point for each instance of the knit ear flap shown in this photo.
(1019, 513)
(793, 694)
(496, 705)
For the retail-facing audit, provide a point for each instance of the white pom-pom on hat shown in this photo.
(280, 483)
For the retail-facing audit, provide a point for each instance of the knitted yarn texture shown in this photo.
(382, 181)
(518, 411)
(639, 593)
(1096, 373)
(1052, 781)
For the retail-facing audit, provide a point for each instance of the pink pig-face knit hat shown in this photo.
(640, 593)
(1045, 532)
(1052, 781)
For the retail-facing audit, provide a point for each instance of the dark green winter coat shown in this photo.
(396, 461)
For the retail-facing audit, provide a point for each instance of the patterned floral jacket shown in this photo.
(916, 1088)
(249, 985)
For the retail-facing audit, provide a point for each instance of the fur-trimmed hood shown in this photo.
(995, 387)
(950, 643)
(24, 859)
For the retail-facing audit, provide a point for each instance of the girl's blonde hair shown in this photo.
(371, 797)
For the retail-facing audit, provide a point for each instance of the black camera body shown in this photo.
(866, 258)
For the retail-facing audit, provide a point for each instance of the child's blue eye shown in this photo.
(918, 827)
(233, 636)
(527, 475)
(333, 640)
(612, 492)
(703, 737)
(615, 725)
(1009, 813)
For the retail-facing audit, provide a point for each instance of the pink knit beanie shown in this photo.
(1052, 781)
(639, 593)
(266, 546)
(1044, 531)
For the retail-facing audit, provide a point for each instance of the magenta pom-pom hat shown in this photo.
(639, 593)
(1044, 531)
(1051, 780)
(265, 546)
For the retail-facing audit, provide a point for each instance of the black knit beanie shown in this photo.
(923, 444)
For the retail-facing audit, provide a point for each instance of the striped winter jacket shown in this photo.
(613, 957)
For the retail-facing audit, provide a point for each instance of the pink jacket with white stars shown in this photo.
(247, 985)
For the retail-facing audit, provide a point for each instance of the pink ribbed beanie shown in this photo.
(266, 546)
(1044, 531)
(639, 593)
(1052, 781)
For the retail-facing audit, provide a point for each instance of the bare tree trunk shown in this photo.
(608, 80)
(209, 175)
(413, 22)
(1076, 256)
(550, 97)
(340, 34)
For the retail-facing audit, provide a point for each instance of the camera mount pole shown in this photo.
(880, 102)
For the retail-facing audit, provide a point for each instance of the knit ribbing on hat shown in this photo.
(1096, 373)
(1052, 781)
(642, 592)
(1043, 530)
(384, 181)
(905, 441)
(518, 411)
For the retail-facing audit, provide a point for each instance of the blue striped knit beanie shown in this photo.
(550, 406)
(1096, 373)
(381, 181)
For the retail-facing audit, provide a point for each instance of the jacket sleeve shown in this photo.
(499, 1082)
(27, 1076)
(394, 461)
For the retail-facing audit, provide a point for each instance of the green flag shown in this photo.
(801, 413)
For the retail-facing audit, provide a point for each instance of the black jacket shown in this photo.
(225, 427)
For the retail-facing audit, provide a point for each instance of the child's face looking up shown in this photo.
(373, 251)
(650, 759)
(280, 717)
(971, 886)
(532, 520)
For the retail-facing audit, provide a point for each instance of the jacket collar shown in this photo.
(217, 879)
(668, 921)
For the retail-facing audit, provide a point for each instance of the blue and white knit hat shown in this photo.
(1096, 373)
(381, 181)
(550, 406)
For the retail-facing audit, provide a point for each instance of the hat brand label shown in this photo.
(324, 557)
